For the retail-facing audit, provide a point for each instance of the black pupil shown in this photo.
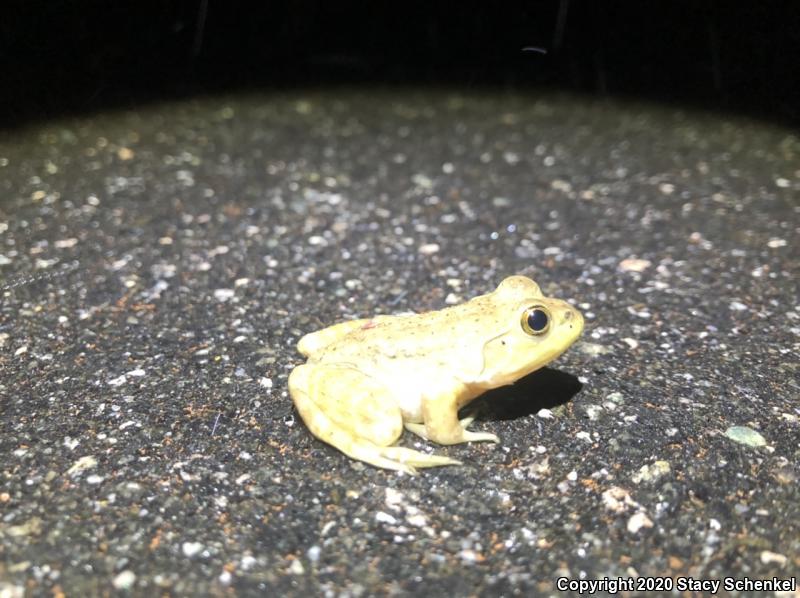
(537, 320)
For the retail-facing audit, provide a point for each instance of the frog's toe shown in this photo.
(379, 457)
(418, 429)
(467, 421)
(416, 458)
(464, 436)
(480, 437)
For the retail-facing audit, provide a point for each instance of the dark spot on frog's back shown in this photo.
(546, 388)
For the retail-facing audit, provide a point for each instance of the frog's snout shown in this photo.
(573, 319)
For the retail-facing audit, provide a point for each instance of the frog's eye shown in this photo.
(535, 320)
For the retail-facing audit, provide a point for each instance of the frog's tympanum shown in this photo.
(367, 379)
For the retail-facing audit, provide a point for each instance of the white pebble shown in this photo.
(638, 521)
(66, 243)
(631, 342)
(119, 381)
(313, 553)
(82, 465)
(634, 265)
(429, 248)
(384, 517)
(191, 549)
(768, 557)
(124, 580)
(223, 295)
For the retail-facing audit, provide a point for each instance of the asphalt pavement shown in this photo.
(158, 266)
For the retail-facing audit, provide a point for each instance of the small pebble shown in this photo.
(634, 265)
(594, 349)
(632, 343)
(82, 465)
(124, 580)
(313, 553)
(223, 295)
(648, 473)
(746, 436)
(118, 381)
(638, 521)
(618, 499)
(191, 549)
(452, 299)
(593, 411)
(66, 243)
(125, 153)
(383, 517)
(768, 557)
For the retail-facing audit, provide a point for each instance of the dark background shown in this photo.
(61, 57)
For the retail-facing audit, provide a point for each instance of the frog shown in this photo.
(367, 380)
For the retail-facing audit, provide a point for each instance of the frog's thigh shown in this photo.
(345, 398)
(348, 410)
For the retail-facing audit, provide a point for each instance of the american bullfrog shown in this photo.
(365, 380)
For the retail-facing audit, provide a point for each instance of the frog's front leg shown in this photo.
(441, 423)
(352, 411)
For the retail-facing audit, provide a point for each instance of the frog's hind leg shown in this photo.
(351, 411)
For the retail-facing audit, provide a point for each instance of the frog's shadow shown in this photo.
(543, 389)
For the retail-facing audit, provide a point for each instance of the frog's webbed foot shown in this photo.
(466, 435)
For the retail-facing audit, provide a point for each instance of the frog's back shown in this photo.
(430, 336)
